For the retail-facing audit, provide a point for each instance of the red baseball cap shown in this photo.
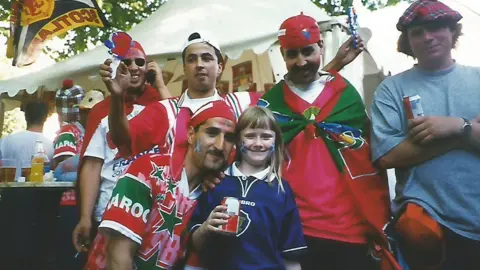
(136, 51)
(299, 31)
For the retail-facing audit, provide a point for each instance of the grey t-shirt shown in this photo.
(448, 186)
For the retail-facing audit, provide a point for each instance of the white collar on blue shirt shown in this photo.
(262, 175)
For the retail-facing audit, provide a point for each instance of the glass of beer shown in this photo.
(25, 168)
(8, 169)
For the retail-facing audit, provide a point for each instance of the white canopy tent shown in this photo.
(246, 31)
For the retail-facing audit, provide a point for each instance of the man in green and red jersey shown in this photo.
(341, 197)
(145, 222)
(67, 146)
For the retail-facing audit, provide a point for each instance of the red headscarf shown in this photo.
(185, 119)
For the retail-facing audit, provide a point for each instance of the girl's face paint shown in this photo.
(243, 149)
(257, 146)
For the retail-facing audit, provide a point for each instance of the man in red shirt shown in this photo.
(138, 94)
(342, 199)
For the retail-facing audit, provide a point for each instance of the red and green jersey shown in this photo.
(151, 209)
(68, 143)
(69, 140)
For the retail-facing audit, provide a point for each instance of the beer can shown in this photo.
(233, 211)
(413, 106)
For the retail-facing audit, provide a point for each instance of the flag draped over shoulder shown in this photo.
(342, 122)
(343, 125)
(35, 21)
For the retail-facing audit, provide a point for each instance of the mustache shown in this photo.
(306, 67)
(217, 153)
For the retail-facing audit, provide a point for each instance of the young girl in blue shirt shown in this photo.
(270, 232)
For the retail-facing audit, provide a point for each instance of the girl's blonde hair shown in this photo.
(260, 117)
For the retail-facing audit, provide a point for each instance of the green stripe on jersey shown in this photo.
(131, 194)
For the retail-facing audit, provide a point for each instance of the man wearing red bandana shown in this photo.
(435, 152)
(342, 198)
(99, 165)
(145, 222)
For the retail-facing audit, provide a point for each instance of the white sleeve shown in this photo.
(97, 145)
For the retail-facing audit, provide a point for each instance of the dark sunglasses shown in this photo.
(140, 62)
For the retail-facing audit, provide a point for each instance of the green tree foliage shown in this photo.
(13, 121)
(339, 7)
(124, 14)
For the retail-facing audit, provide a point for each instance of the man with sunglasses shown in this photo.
(435, 155)
(100, 164)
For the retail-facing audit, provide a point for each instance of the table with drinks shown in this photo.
(28, 179)
(29, 208)
(29, 174)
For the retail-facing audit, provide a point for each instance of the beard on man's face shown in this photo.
(305, 73)
(213, 165)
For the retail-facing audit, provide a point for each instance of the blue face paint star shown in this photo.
(243, 149)
(198, 147)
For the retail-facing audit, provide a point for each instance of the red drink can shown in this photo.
(413, 106)
(233, 210)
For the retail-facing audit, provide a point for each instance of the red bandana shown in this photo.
(185, 119)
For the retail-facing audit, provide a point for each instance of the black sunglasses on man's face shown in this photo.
(140, 62)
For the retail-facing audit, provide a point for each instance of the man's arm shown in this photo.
(89, 184)
(345, 54)
(398, 142)
(118, 124)
(148, 129)
(120, 251)
(428, 137)
(89, 187)
(408, 154)
(158, 82)
(57, 161)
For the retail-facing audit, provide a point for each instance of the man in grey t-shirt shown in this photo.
(436, 156)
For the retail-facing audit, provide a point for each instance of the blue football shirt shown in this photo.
(270, 228)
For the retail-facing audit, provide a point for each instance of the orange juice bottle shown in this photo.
(38, 163)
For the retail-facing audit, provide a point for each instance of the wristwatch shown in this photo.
(466, 128)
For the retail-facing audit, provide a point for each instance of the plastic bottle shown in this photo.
(40, 163)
